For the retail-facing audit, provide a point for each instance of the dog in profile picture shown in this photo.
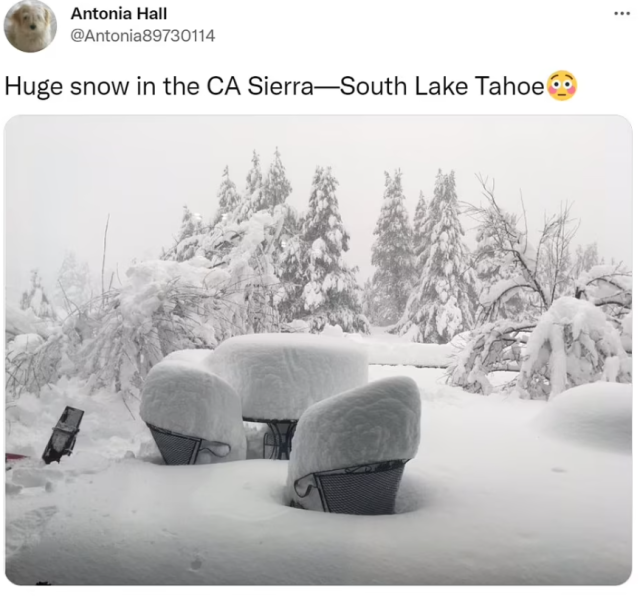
(30, 26)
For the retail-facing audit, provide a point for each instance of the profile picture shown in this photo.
(30, 26)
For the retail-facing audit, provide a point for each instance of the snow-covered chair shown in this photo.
(63, 438)
(350, 450)
(194, 416)
(278, 376)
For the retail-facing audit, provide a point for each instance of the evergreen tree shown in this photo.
(253, 199)
(276, 185)
(189, 237)
(331, 292)
(392, 253)
(74, 288)
(443, 302)
(36, 300)
(228, 197)
(419, 226)
(291, 267)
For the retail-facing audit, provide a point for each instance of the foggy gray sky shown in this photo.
(65, 174)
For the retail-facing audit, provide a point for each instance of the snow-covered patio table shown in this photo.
(278, 376)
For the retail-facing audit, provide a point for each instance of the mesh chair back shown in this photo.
(176, 449)
(63, 438)
(368, 490)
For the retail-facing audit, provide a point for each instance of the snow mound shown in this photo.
(410, 354)
(398, 351)
(598, 415)
(278, 376)
(187, 399)
(193, 356)
(374, 423)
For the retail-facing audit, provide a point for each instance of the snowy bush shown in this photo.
(608, 286)
(572, 344)
(162, 306)
(534, 293)
(493, 346)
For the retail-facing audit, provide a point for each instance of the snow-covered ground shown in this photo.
(496, 495)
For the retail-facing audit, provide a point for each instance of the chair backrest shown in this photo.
(63, 438)
(177, 449)
(366, 490)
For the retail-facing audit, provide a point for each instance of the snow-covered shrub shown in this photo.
(493, 346)
(572, 344)
(627, 332)
(162, 306)
(188, 399)
(541, 289)
(33, 361)
(608, 286)
(373, 423)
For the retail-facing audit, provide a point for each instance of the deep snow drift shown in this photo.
(278, 376)
(490, 498)
(596, 415)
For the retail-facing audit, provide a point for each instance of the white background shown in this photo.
(370, 40)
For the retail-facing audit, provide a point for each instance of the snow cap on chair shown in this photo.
(374, 423)
(187, 399)
(278, 376)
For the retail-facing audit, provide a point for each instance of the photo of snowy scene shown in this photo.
(318, 350)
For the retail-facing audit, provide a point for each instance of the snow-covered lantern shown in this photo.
(278, 376)
(194, 416)
(349, 451)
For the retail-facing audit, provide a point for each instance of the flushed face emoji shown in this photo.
(562, 85)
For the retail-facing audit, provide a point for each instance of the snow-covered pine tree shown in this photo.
(419, 225)
(442, 305)
(35, 300)
(276, 185)
(74, 287)
(253, 198)
(331, 292)
(291, 267)
(189, 238)
(228, 197)
(392, 253)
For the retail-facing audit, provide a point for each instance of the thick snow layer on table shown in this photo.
(278, 376)
(598, 415)
(373, 423)
(185, 398)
